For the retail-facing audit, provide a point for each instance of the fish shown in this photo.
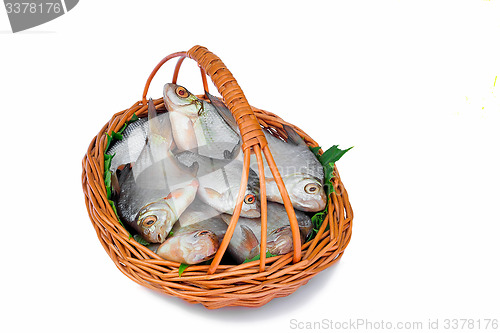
(195, 237)
(198, 126)
(128, 149)
(157, 189)
(245, 242)
(219, 183)
(300, 170)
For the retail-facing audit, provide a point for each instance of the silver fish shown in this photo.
(197, 126)
(195, 237)
(245, 243)
(220, 182)
(156, 191)
(300, 170)
(128, 149)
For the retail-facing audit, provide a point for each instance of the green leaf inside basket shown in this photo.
(138, 238)
(317, 219)
(327, 160)
(257, 257)
(107, 163)
(182, 268)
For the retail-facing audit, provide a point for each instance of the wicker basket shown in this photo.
(250, 284)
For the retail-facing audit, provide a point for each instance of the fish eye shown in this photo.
(149, 221)
(201, 233)
(311, 188)
(181, 92)
(249, 199)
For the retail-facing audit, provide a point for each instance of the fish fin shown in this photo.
(193, 168)
(124, 172)
(159, 135)
(250, 241)
(227, 154)
(175, 194)
(211, 192)
(158, 141)
(151, 110)
(233, 154)
(183, 159)
(223, 111)
(115, 184)
(293, 137)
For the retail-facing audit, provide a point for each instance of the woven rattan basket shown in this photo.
(249, 284)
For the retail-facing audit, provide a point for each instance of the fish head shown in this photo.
(280, 241)
(190, 247)
(155, 221)
(199, 246)
(306, 192)
(226, 201)
(179, 99)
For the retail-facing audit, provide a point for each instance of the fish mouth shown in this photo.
(160, 234)
(252, 213)
(315, 204)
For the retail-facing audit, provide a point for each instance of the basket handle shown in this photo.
(182, 56)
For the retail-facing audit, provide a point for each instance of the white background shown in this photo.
(409, 84)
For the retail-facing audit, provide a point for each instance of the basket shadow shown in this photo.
(302, 297)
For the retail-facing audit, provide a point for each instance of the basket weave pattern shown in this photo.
(250, 284)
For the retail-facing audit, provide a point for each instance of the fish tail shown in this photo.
(293, 137)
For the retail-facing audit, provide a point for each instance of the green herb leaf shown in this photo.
(112, 204)
(332, 155)
(182, 267)
(107, 182)
(257, 257)
(138, 238)
(116, 136)
(122, 129)
(107, 161)
(317, 220)
(328, 159)
(315, 150)
(107, 164)
(109, 141)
